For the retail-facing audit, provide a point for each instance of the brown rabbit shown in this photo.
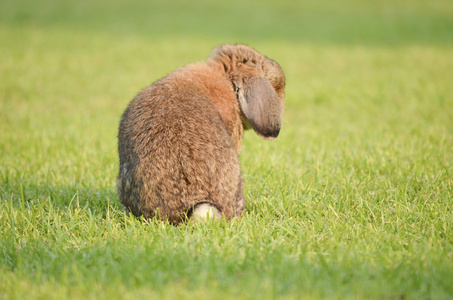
(179, 139)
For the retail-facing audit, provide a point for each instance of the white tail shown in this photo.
(203, 211)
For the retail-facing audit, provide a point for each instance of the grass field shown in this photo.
(353, 200)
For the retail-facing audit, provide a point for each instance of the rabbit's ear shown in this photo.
(261, 106)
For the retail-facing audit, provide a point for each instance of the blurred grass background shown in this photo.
(322, 22)
(354, 200)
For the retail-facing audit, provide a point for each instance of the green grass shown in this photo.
(353, 200)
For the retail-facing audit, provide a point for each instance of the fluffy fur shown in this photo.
(179, 139)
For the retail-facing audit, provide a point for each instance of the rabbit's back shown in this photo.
(176, 149)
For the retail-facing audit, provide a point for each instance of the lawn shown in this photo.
(354, 200)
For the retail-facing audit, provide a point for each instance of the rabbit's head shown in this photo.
(259, 83)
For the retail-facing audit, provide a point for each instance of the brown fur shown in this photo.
(178, 139)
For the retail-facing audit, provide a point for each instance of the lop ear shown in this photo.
(261, 106)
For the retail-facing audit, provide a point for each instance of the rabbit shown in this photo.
(179, 138)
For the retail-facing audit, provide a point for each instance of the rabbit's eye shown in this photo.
(244, 61)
